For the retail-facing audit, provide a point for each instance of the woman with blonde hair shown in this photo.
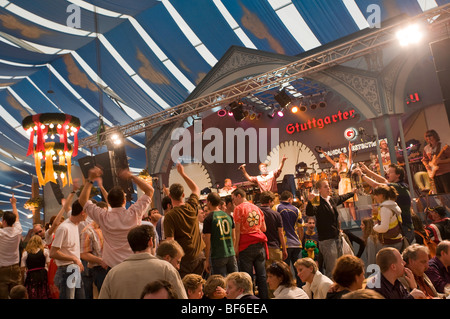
(35, 260)
(389, 217)
(316, 284)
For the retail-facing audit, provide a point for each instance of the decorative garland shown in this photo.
(54, 151)
(51, 123)
(34, 203)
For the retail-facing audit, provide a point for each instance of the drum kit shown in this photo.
(307, 177)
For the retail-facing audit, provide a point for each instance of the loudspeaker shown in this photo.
(111, 163)
(56, 188)
(103, 161)
(439, 50)
(288, 184)
(86, 163)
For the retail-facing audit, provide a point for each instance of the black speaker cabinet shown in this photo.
(440, 51)
(111, 163)
(288, 184)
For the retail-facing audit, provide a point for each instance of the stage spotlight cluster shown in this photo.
(312, 102)
(239, 111)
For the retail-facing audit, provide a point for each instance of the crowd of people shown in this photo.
(227, 247)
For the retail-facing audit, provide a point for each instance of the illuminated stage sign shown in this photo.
(355, 148)
(320, 123)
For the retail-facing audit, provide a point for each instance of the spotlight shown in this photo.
(322, 104)
(116, 139)
(238, 111)
(222, 112)
(230, 113)
(313, 106)
(283, 99)
(409, 35)
(280, 113)
(271, 114)
(294, 109)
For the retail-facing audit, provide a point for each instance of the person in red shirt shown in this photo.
(251, 242)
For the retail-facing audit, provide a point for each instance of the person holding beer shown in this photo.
(327, 222)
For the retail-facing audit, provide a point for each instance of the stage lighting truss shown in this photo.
(368, 42)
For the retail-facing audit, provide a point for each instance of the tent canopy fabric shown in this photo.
(126, 59)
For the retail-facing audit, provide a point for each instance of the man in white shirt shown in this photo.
(118, 221)
(66, 253)
(267, 181)
(10, 236)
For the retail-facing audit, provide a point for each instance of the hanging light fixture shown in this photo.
(57, 155)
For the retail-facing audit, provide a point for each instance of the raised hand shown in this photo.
(13, 200)
(180, 169)
(95, 173)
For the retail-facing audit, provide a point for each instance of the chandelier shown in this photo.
(57, 155)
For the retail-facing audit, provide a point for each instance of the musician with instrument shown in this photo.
(227, 188)
(436, 158)
(267, 181)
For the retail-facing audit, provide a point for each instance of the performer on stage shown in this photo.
(267, 181)
(385, 157)
(227, 188)
(345, 184)
(436, 158)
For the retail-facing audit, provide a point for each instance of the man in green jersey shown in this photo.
(218, 231)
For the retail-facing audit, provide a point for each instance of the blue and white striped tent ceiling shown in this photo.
(152, 55)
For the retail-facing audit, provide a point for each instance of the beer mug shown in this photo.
(316, 200)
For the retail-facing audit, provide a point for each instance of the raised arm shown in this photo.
(244, 171)
(147, 188)
(191, 184)
(350, 154)
(328, 158)
(282, 163)
(93, 174)
(370, 177)
(166, 191)
(13, 202)
(64, 208)
(102, 190)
